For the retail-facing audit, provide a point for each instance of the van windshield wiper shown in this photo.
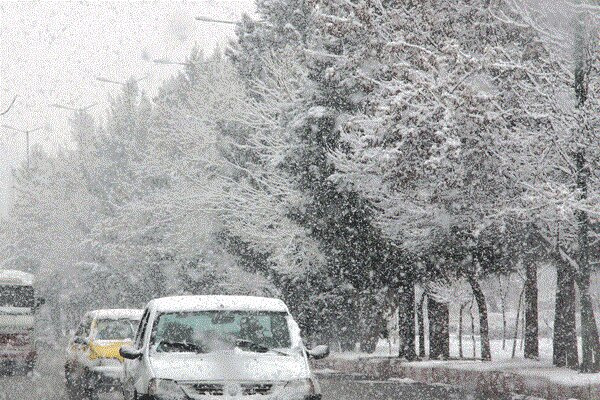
(181, 346)
(257, 347)
(6, 312)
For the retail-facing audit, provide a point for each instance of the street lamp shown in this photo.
(102, 79)
(165, 61)
(216, 21)
(26, 132)
(221, 21)
(80, 109)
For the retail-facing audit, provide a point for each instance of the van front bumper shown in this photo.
(17, 355)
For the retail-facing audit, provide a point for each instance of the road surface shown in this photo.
(47, 384)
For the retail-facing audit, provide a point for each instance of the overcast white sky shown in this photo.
(51, 52)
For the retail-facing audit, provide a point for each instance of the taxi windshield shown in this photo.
(204, 331)
(115, 329)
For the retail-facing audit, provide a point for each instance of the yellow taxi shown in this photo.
(93, 361)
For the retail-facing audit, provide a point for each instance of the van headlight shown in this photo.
(298, 389)
(165, 389)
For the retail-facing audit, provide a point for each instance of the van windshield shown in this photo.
(205, 331)
(16, 296)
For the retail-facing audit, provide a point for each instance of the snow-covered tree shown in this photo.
(442, 101)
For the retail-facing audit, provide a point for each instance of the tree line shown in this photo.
(340, 154)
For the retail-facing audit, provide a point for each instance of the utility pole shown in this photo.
(26, 132)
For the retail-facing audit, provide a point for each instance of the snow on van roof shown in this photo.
(210, 303)
(118, 313)
(13, 277)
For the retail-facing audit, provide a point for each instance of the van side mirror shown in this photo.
(39, 301)
(318, 352)
(130, 353)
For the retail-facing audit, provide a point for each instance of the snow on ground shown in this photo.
(501, 361)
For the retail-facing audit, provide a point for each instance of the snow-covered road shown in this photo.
(47, 384)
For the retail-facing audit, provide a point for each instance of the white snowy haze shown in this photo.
(52, 52)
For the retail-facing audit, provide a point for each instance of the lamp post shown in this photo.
(26, 132)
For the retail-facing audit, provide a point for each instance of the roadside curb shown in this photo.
(484, 380)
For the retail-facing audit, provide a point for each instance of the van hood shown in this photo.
(231, 365)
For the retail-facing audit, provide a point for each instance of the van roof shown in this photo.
(117, 313)
(215, 303)
(13, 277)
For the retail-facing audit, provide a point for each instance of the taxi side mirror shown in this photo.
(129, 353)
(318, 352)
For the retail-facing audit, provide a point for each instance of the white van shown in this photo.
(200, 347)
(18, 306)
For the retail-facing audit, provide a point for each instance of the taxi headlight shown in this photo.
(297, 389)
(165, 389)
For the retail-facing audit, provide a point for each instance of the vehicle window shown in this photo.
(210, 329)
(83, 330)
(16, 296)
(115, 329)
(139, 338)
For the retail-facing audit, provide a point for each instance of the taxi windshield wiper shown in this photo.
(257, 347)
(164, 345)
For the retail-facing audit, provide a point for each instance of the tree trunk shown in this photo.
(460, 330)
(421, 319)
(516, 335)
(483, 319)
(564, 343)
(473, 342)
(439, 333)
(531, 310)
(406, 321)
(503, 328)
(503, 297)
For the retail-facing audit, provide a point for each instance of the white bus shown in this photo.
(18, 305)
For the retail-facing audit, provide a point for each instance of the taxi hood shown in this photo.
(230, 365)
